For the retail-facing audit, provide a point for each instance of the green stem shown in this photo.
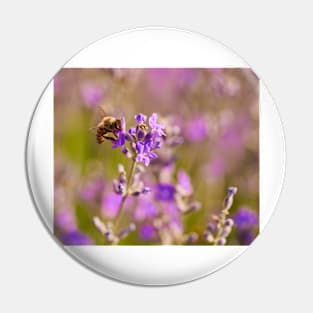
(124, 198)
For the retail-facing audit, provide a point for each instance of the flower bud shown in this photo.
(229, 222)
(226, 231)
(99, 225)
(208, 236)
(191, 238)
(221, 241)
(125, 231)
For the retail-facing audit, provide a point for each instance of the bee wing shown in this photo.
(102, 111)
(92, 129)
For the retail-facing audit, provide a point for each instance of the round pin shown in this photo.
(155, 156)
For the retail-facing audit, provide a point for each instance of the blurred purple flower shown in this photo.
(216, 168)
(110, 204)
(147, 231)
(245, 236)
(75, 238)
(92, 189)
(231, 139)
(91, 94)
(184, 183)
(172, 211)
(223, 85)
(65, 220)
(164, 79)
(196, 130)
(187, 76)
(245, 218)
(145, 209)
(165, 192)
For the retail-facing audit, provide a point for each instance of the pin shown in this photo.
(150, 153)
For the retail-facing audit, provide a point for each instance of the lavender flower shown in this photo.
(245, 218)
(140, 118)
(196, 130)
(119, 185)
(156, 127)
(119, 142)
(65, 220)
(184, 184)
(110, 204)
(125, 231)
(75, 238)
(143, 140)
(147, 232)
(220, 227)
(190, 239)
(165, 192)
(144, 153)
(145, 209)
(183, 196)
(108, 233)
(91, 94)
(92, 189)
(245, 221)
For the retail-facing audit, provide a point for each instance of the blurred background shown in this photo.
(217, 113)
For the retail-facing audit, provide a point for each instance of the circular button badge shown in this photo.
(155, 156)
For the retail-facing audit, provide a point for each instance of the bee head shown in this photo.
(117, 125)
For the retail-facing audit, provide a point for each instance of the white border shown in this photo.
(154, 47)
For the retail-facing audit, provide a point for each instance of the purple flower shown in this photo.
(110, 204)
(156, 127)
(65, 220)
(144, 153)
(147, 232)
(140, 118)
(172, 211)
(245, 218)
(143, 140)
(245, 221)
(145, 209)
(91, 94)
(184, 183)
(165, 192)
(121, 136)
(75, 238)
(245, 236)
(216, 168)
(92, 189)
(196, 130)
(231, 140)
(132, 131)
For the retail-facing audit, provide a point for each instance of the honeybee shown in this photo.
(107, 127)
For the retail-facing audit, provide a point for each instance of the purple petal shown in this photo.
(184, 182)
(140, 118)
(147, 231)
(75, 238)
(165, 192)
(245, 218)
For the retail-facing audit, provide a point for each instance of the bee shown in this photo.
(107, 127)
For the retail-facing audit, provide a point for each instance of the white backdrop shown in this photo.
(37, 38)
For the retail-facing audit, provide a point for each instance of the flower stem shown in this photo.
(121, 207)
(220, 226)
